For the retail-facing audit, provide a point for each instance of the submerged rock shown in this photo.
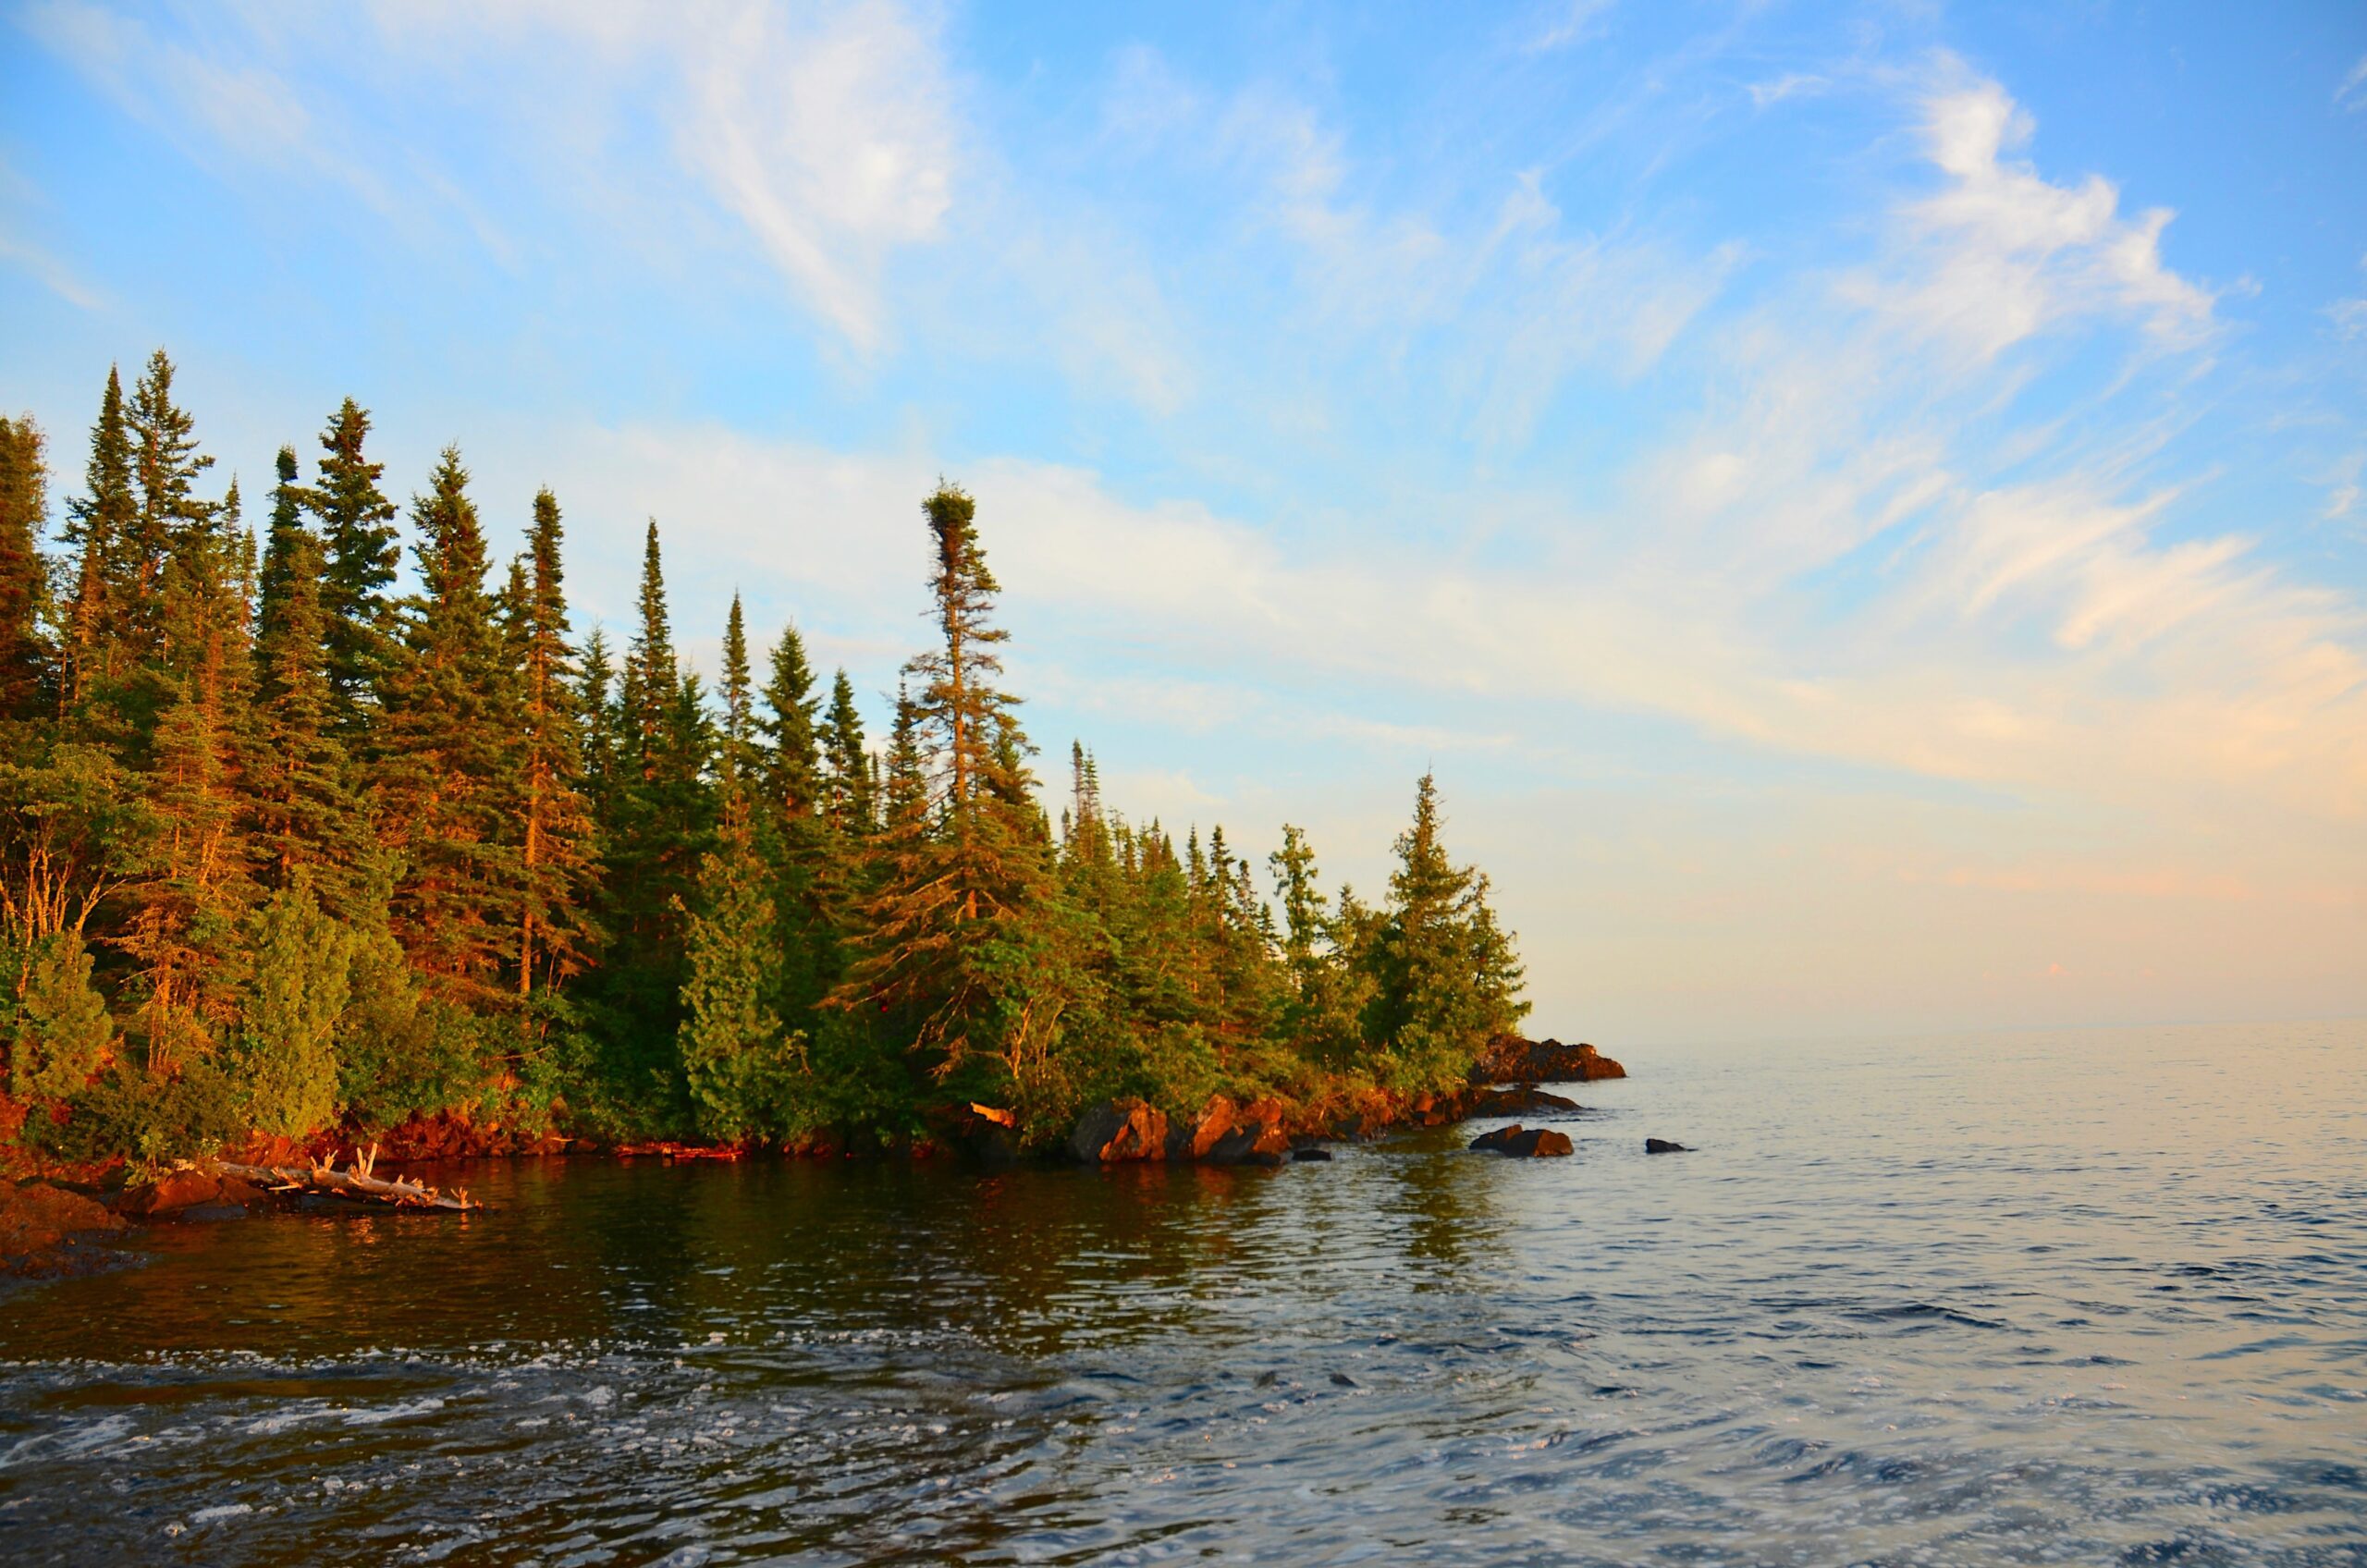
(1310, 1154)
(41, 1227)
(1662, 1146)
(1524, 1143)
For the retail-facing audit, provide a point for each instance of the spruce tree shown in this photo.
(27, 660)
(307, 820)
(655, 819)
(852, 802)
(448, 764)
(554, 930)
(1446, 978)
(358, 536)
(98, 527)
(961, 954)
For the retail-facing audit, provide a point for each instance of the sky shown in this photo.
(1863, 506)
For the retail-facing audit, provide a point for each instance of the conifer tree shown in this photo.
(25, 658)
(557, 854)
(851, 799)
(308, 821)
(657, 817)
(963, 938)
(279, 541)
(448, 764)
(358, 539)
(793, 782)
(98, 527)
(1446, 978)
(737, 755)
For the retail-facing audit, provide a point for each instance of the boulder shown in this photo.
(1116, 1131)
(1524, 1143)
(1662, 1146)
(38, 1222)
(1258, 1136)
(1310, 1154)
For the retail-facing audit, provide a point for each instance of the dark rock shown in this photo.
(1115, 1130)
(1304, 1154)
(1511, 1060)
(1524, 1099)
(1524, 1143)
(1340, 1379)
(1662, 1145)
(1268, 1379)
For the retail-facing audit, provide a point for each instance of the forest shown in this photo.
(294, 842)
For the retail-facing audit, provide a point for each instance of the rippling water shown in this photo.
(2076, 1298)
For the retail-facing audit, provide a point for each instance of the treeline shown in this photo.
(286, 851)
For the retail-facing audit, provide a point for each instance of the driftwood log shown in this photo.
(356, 1182)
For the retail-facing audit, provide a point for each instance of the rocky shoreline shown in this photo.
(48, 1229)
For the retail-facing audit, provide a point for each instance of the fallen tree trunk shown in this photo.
(355, 1182)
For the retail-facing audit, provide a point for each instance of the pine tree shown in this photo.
(359, 538)
(557, 855)
(449, 763)
(25, 658)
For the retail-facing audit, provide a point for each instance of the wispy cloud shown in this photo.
(2349, 95)
(53, 275)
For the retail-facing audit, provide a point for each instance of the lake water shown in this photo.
(2080, 1298)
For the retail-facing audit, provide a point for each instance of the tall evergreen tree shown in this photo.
(852, 802)
(554, 924)
(25, 658)
(357, 527)
(449, 759)
(98, 527)
(962, 949)
(656, 815)
(1447, 980)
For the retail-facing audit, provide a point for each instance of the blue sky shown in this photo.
(1860, 504)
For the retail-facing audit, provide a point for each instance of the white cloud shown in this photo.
(834, 141)
(2007, 253)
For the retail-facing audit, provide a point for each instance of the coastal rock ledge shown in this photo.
(1515, 1060)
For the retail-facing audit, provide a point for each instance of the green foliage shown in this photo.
(279, 852)
(300, 982)
(58, 1032)
(745, 1070)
